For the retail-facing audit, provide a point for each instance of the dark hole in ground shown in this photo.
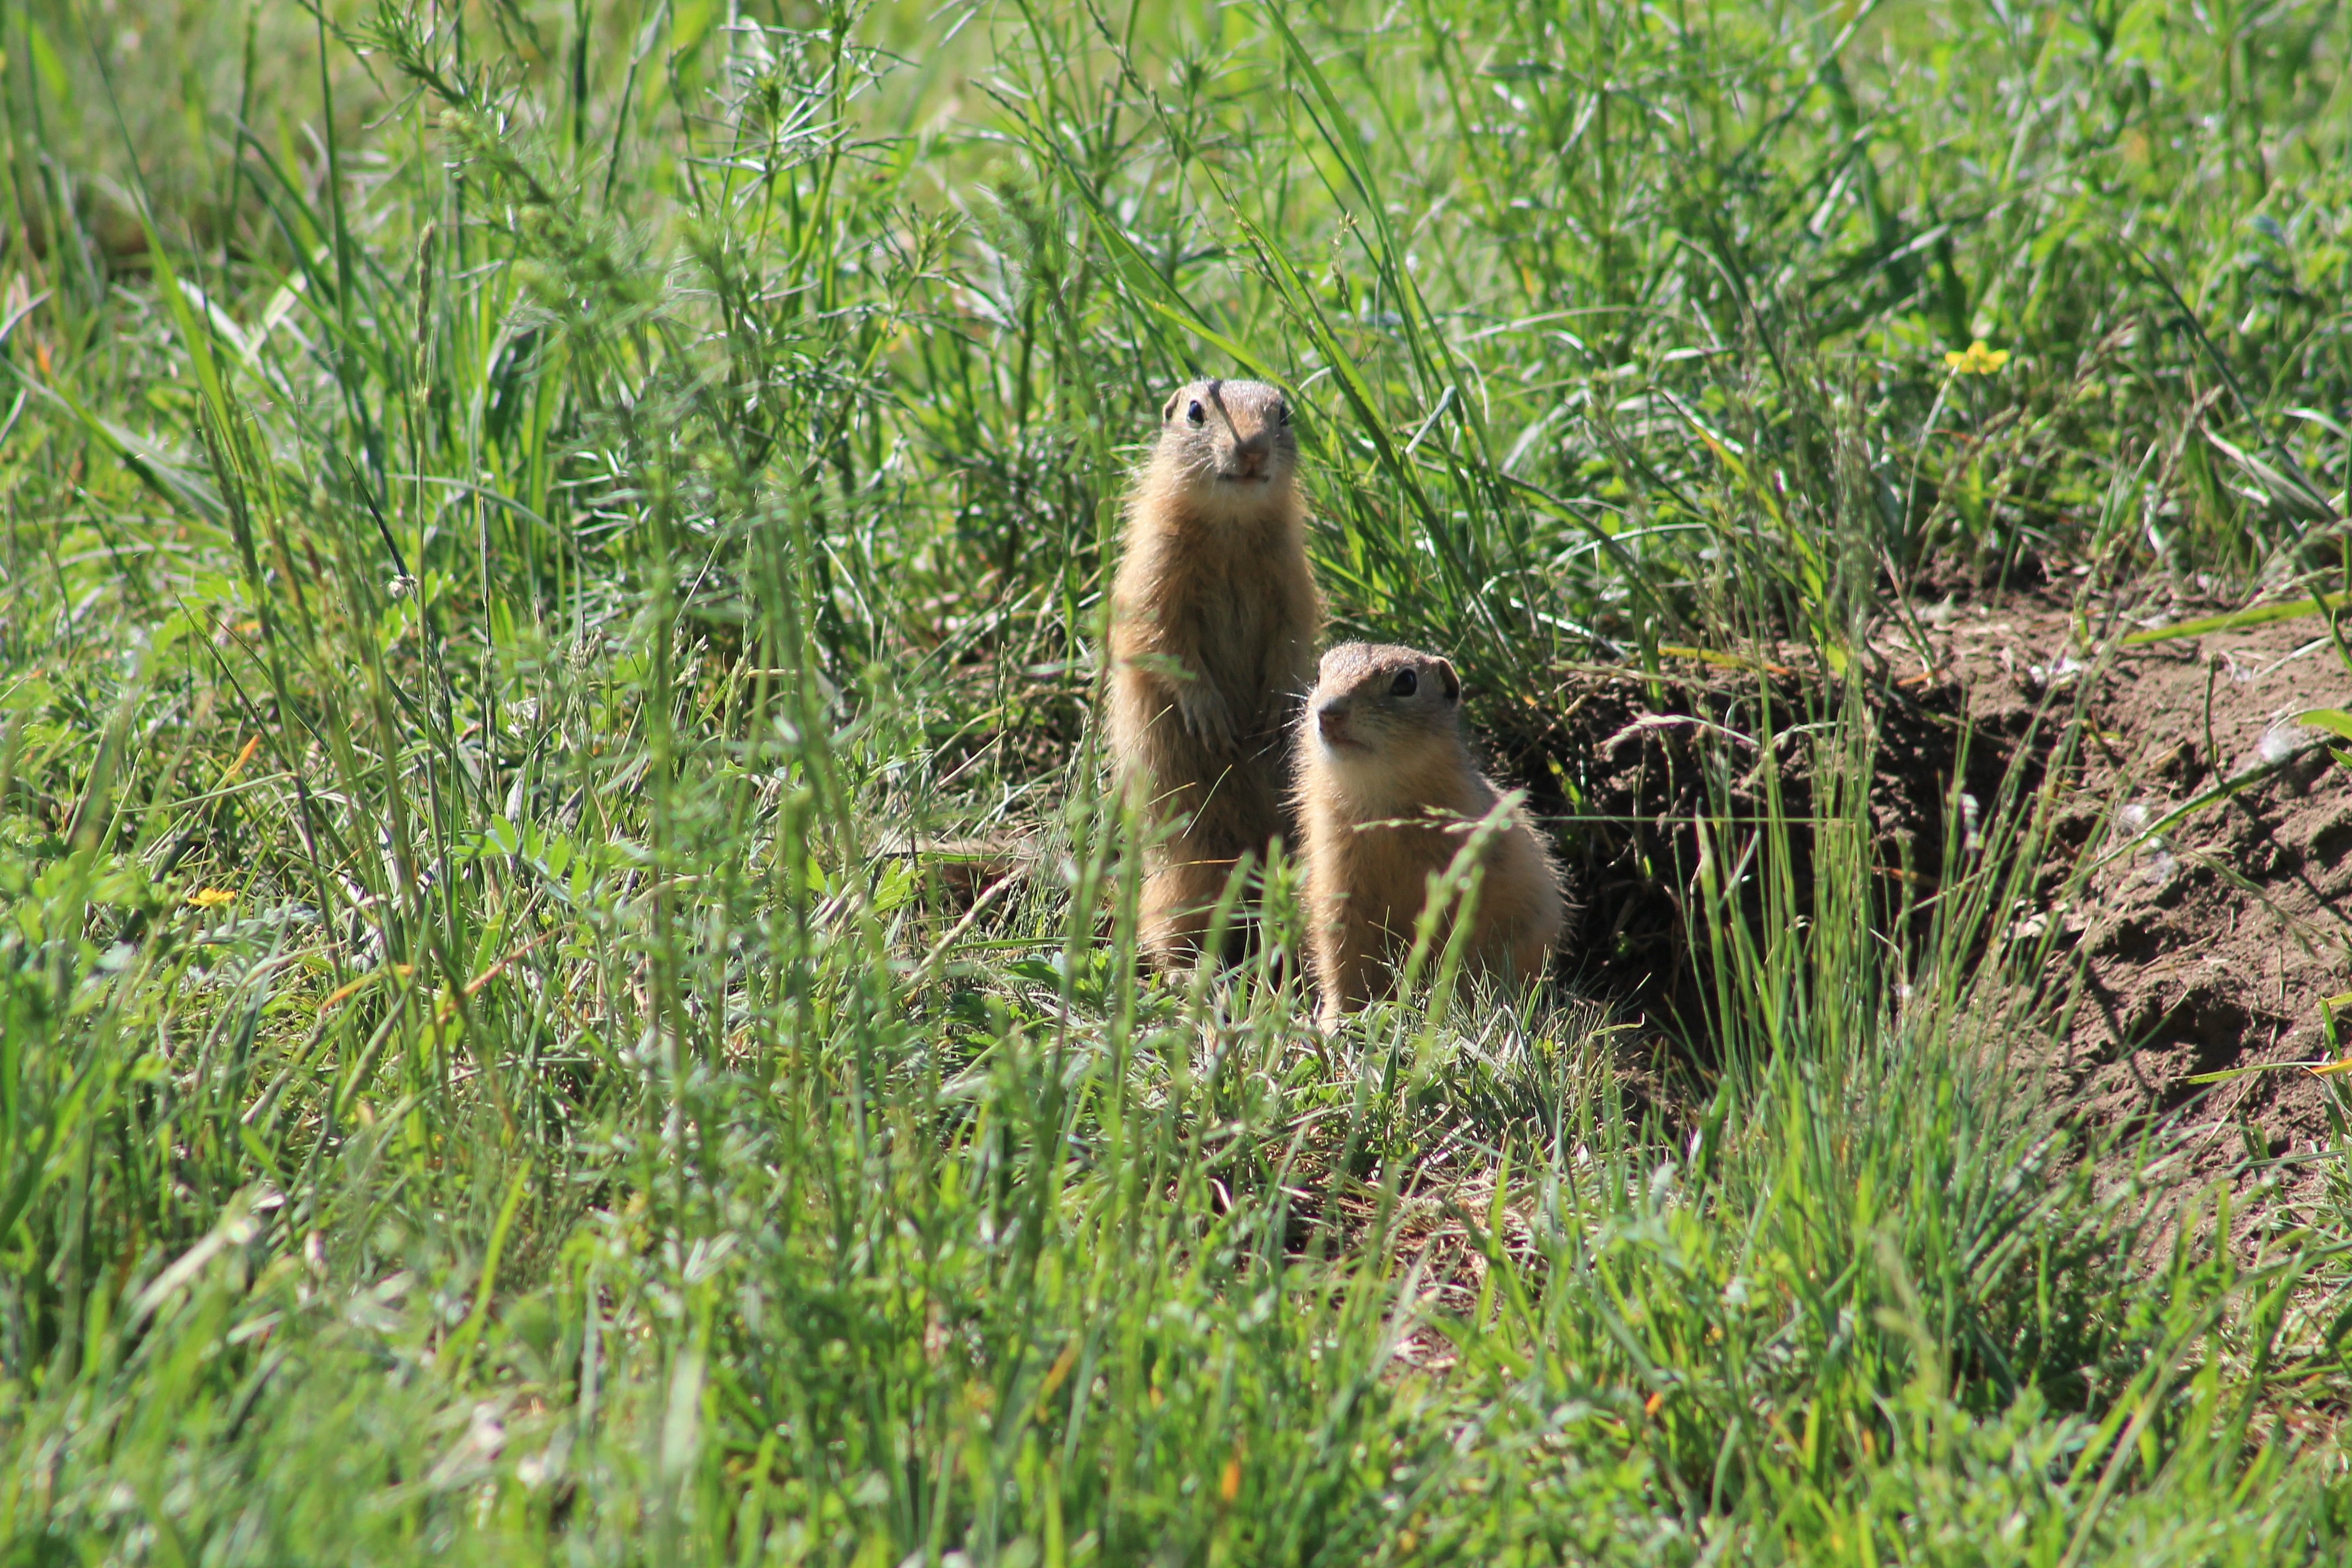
(1626, 767)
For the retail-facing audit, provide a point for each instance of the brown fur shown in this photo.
(1387, 796)
(1213, 619)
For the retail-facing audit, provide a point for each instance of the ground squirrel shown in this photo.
(1387, 794)
(1213, 619)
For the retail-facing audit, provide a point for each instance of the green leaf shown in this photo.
(2238, 620)
(2227, 1074)
(46, 61)
(2335, 721)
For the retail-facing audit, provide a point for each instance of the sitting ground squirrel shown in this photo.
(1213, 619)
(1387, 796)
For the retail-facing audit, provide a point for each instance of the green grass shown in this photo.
(520, 519)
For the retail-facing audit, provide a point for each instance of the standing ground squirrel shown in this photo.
(1387, 795)
(1213, 619)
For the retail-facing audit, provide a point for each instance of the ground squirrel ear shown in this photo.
(1453, 681)
(1168, 411)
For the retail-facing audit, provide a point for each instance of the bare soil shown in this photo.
(2211, 946)
(2204, 948)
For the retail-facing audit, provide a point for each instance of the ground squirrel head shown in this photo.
(1377, 707)
(1226, 444)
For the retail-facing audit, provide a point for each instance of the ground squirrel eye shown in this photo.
(1282, 414)
(1194, 413)
(1405, 684)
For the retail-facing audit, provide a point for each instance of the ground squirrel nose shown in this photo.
(1332, 720)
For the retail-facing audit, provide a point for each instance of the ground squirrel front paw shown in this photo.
(1202, 708)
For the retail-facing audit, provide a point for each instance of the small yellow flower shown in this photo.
(211, 898)
(1978, 359)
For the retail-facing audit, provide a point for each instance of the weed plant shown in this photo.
(568, 986)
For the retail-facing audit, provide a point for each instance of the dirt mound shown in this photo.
(2209, 944)
(2206, 945)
